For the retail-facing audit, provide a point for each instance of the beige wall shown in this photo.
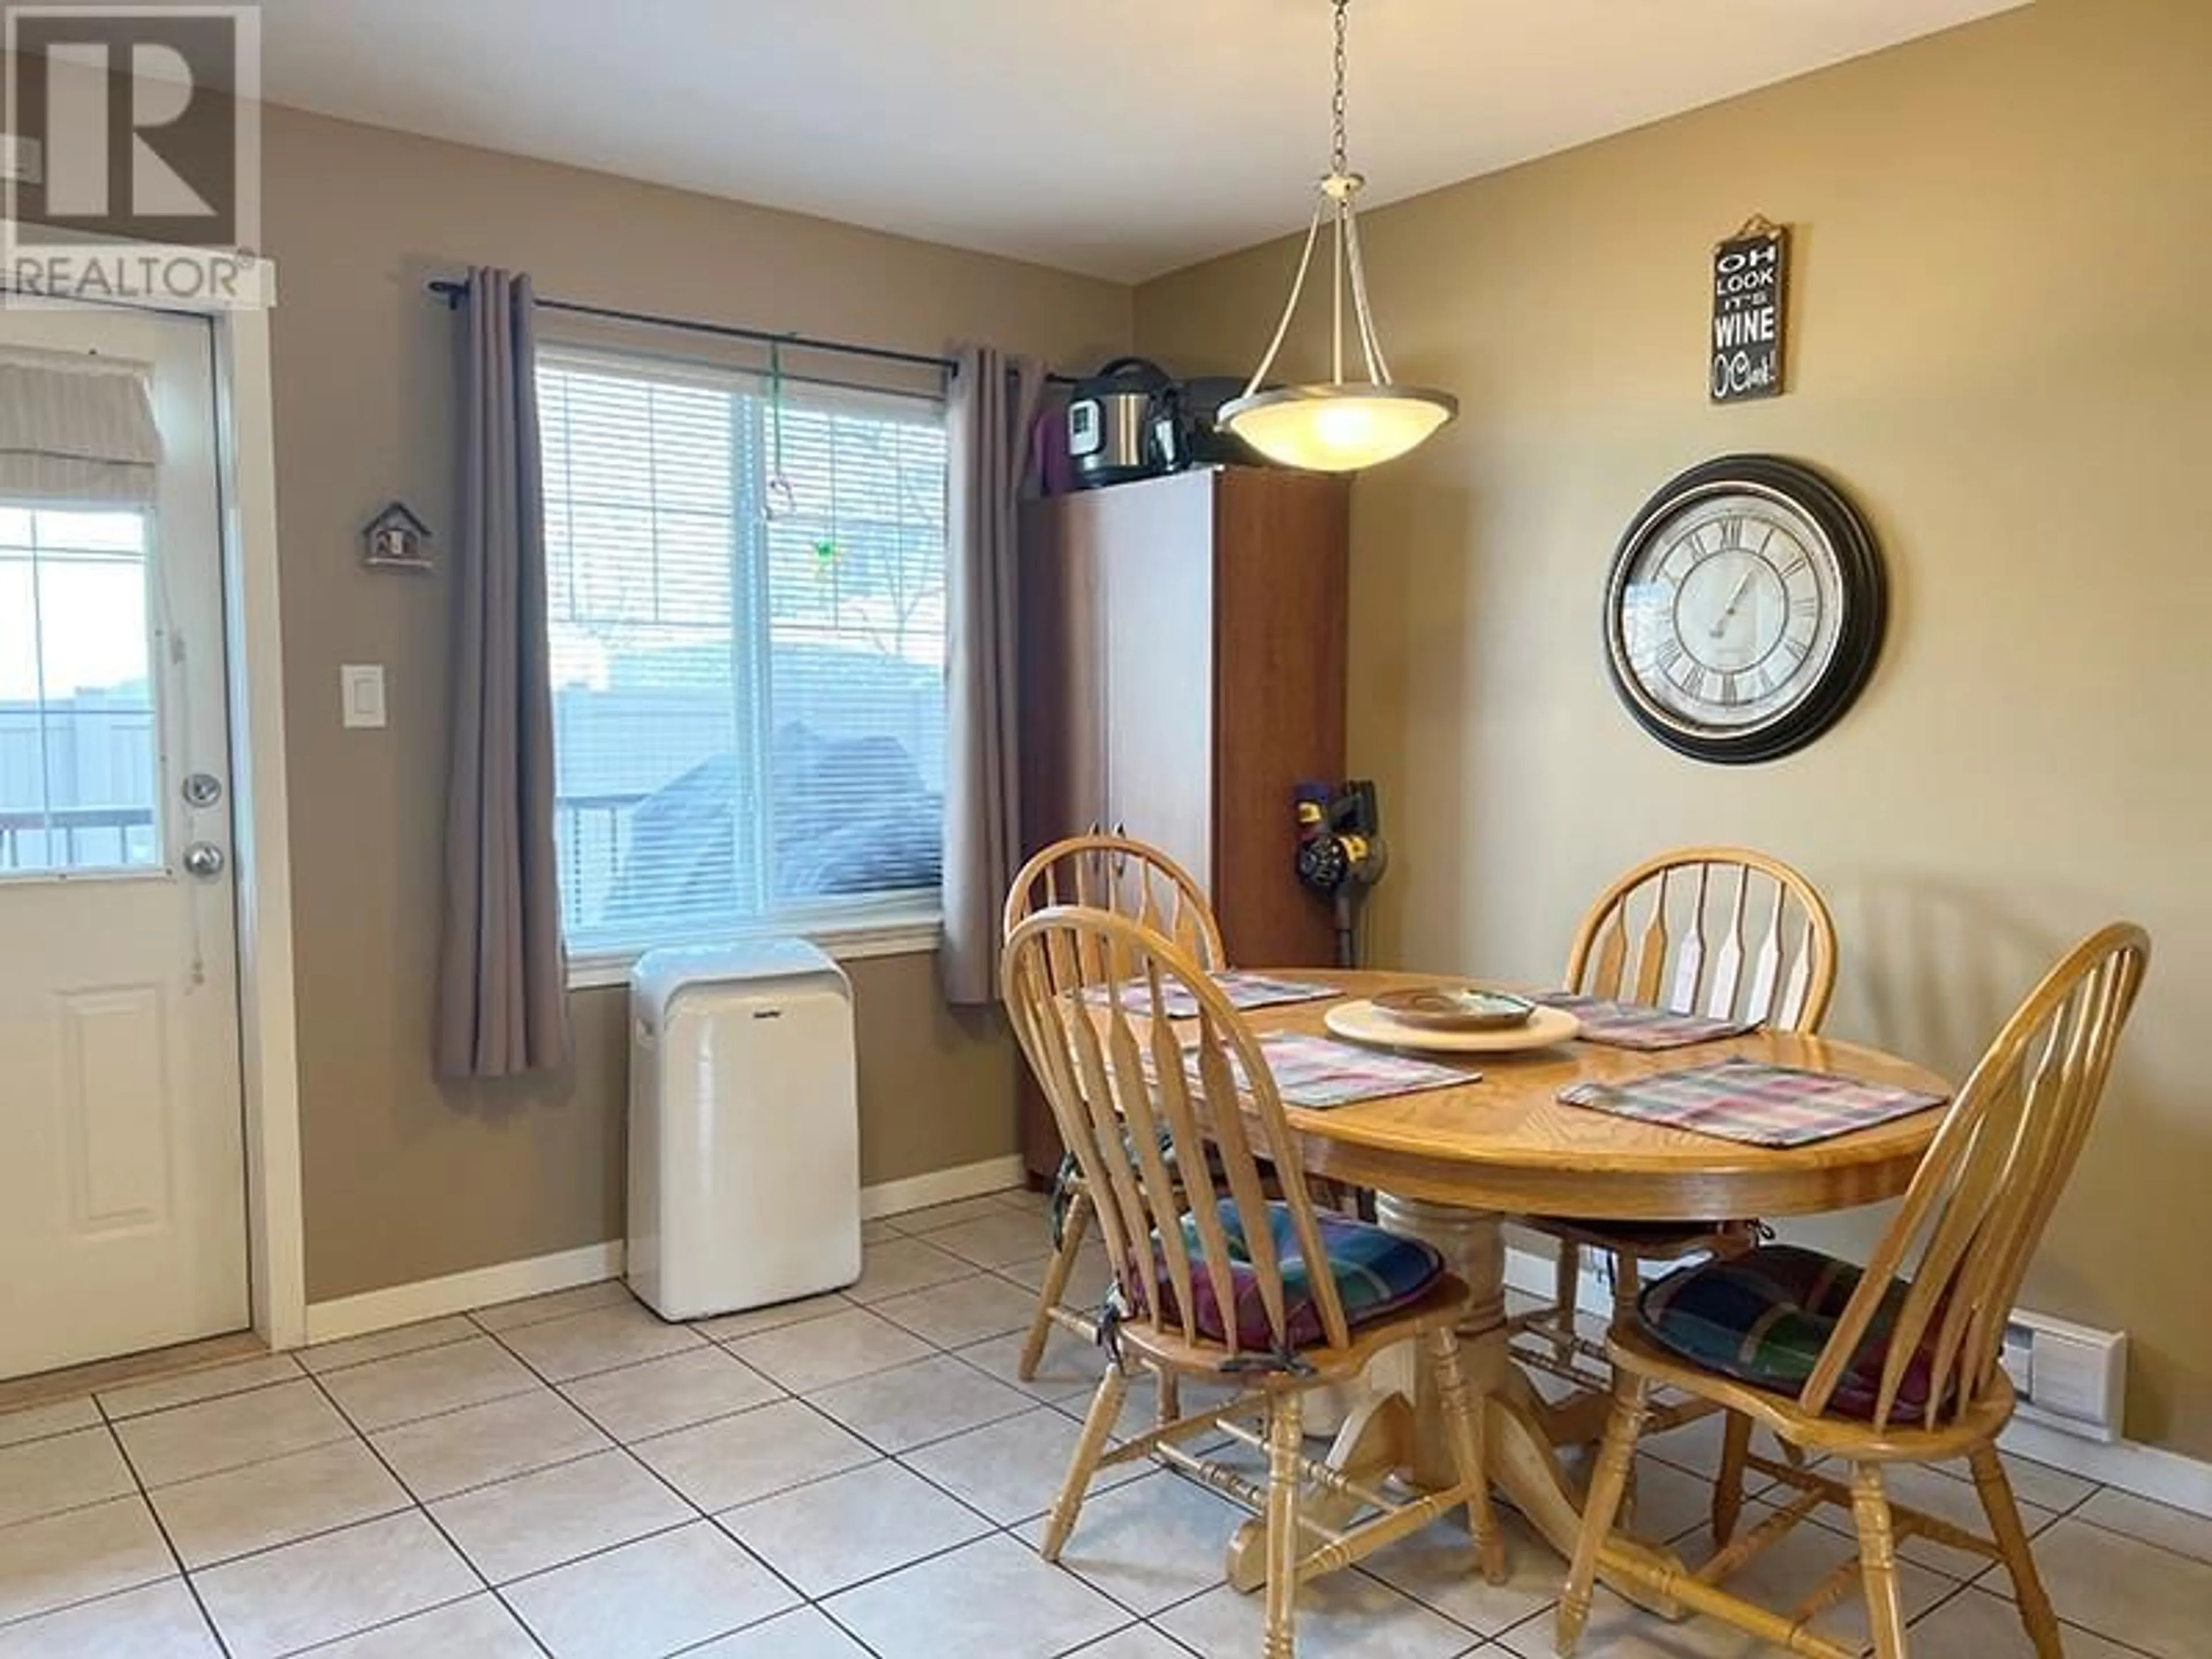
(2002, 345)
(405, 1180)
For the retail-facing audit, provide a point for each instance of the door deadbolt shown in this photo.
(203, 858)
(202, 789)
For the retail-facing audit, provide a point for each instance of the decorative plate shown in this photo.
(1456, 1008)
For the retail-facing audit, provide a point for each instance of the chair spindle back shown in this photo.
(1988, 1184)
(1126, 876)
(1772, 960)
(1089, 992)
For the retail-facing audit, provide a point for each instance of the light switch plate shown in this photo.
(360, 693)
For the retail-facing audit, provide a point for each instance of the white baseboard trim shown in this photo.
(2151, 1471)
(992, 1175)
(434, 1298)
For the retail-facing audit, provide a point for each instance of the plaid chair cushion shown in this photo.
(1377, 1273)
(1763, 1318)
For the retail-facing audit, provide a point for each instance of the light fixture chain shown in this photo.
(1340, 150)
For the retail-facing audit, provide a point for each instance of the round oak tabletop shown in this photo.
(1506, 1141)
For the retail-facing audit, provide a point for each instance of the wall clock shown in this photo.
(1745, 611)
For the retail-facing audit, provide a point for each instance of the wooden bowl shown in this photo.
(1438, 1008)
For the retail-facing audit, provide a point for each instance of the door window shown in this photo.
(80, 759)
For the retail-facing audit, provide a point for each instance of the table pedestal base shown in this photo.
(1397, 1425)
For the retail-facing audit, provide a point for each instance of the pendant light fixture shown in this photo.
(1345, 425)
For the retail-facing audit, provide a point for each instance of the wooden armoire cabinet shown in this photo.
(1182, 670)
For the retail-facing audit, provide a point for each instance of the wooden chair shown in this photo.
(1646, 940)
(1128, 878)
(1211, 1279)
(1909, 1372)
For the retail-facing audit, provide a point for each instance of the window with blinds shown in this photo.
(747, 614)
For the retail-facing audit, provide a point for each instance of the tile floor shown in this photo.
(856, 1474)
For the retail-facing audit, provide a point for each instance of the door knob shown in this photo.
(203, 858)
(202, 789)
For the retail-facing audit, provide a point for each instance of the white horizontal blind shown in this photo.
(748, 681)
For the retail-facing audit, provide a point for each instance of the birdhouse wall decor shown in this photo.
(395, 539)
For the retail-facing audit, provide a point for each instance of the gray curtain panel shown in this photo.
(993, 402)
(502, 982)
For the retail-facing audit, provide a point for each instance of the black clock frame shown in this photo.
(1866, 602)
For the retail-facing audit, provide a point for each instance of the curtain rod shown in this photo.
(454, 294)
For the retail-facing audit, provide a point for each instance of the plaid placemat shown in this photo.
(1639, 1025)
(1319, 1073)
(1744, 1100)
(1244, 991)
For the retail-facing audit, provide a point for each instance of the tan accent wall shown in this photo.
(405, 1180)
(2002, 345)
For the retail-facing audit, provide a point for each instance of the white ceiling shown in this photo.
(1118, 137)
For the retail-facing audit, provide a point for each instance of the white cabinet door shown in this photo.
(1158, 579)
(122, 1173)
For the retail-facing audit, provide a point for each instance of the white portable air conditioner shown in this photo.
(745, 1128)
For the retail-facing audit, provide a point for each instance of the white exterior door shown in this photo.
(121, 1172)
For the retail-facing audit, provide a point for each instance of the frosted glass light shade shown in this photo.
(1341, 427)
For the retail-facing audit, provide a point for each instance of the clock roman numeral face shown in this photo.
(1729, 612)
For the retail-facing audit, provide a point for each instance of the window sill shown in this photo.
(847, 941)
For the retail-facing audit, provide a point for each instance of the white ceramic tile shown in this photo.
(1138, 1642)
(538, 1520)
(387, 1392)
(654, 1597)
(78, 1554)
(1436, 1567)
(210, 1382)
(1151, 1543)
(286, 1599)
(220, 1516)
(601, 1340)
(555, 1304)
(915, 1404)
(1069, 1369)
(956, 1606)
(965, 1311)
(995, 1240)
(1025, 1200)
(819, 1352)
(158, 1621)
(229, 1433)
(1012, 1470)
(441, 1455)
(2138, 1517)
(1342, 1616)
(42, 1422)
(64, 1472)
(900, 1265)
(875, 1230)
(661, 1395)
(731, 1327)
(803, 1633)
(733, 1460)
(386, 1344)
(2039, 1483)
(1975, 1625)
(2134, 1593)
(956, 1213)
(831, 1534)
(478, 1628)
(1087, 1280)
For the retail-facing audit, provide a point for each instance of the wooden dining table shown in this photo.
(1452, 1165)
